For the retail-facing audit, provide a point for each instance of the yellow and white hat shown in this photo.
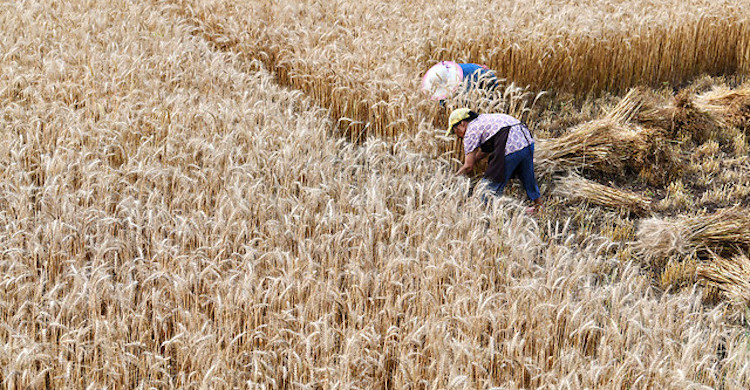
(456, 116)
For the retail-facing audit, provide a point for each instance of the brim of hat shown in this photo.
(442, 80)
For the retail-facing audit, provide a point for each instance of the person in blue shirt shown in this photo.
(445, 77)
(479, 76)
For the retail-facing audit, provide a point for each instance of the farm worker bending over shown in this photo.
(508, 143)
(478, 75)
(444, 78)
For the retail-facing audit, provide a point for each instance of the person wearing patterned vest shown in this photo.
(508, 143)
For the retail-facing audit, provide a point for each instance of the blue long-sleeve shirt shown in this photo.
(473, 72)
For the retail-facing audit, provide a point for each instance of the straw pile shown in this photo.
(692, 124)
(724, 229)
(662, 161)
(577, 188)
(606, 145)
(643, 106)
(690, 115)
(733, 105)
(646, 108)
(725, 232)
(730, 276)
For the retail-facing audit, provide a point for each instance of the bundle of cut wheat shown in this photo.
(689, 116)
(645, 107)
(691, 123)
(730, 276)
(731, 104)
(646, 149)
(725, 228)
(659, 240)
(578, 188)
(606, 145)
(722, 232)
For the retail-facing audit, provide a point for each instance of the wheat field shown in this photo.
(186, 202)
(363, 60)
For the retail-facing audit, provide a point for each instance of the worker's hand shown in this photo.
(469, 161)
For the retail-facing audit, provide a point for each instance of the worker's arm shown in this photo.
(469, 161)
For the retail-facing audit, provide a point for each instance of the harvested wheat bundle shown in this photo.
(658, 240)
(733, 105)
(646, 148)
(645, 107)
(725, 228)
(690, 122)
(722, 232)
(642, 106)
(663, 161)
(730, 276)
(606, 145)
(578, 188)
(688, 116)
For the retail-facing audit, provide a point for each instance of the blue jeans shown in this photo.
(520, 163)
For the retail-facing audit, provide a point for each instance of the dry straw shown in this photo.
(684, 117)
(730, 275)
(604, 145)
(576, 188)
(626, 136)
(725, 231)
(731, 104)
